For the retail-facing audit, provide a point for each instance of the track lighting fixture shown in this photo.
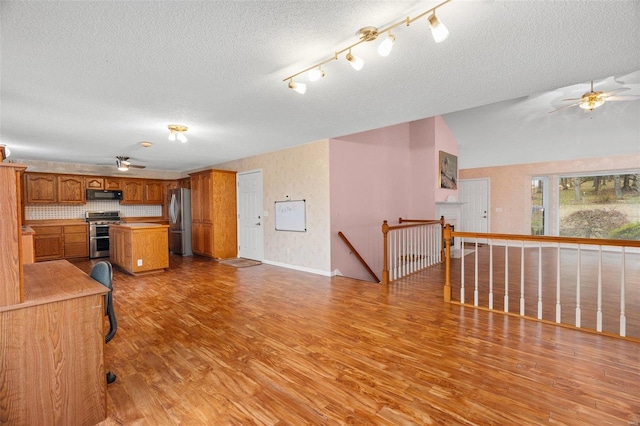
(315, 72)
(298, 87)
(385, 47)
(438, 30)
(356, 62)
(176, 131)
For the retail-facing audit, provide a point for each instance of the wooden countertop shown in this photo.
(47, 282)
(55, 222)
(133, 225)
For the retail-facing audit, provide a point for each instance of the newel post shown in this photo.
(443, 245)
(447, 275)
(385, 252)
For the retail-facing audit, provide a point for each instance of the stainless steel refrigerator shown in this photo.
(180, 222)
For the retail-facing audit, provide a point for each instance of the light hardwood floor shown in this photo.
(205, 343)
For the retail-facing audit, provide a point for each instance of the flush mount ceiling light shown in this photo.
(146, 144)
(176, 131)
(366, 34)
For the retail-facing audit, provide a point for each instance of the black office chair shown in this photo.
(103, 273)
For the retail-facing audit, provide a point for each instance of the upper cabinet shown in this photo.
(41, 188)
(46, 188)
(71, 189)
(52, 188)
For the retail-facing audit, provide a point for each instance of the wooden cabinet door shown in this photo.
(112, 183)
(206, 197)
(41, 188)
(197, 238)
(92, 182)
(71, 189)
(224, 216)
(153, 192)
(132, 191)
(196, 197)
(75, 241)
(47, 242)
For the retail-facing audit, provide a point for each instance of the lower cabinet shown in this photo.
(52, 242)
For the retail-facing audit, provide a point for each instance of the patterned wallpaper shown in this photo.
(301, 172)
(41, 212)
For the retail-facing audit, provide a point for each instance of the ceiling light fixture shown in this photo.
(385, 47)
(176, 131)
(146, 144)
(123, 166)
(438, 31)
(298, 87)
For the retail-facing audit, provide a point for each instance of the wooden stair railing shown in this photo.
(412, 247)
(604, 279)
(357, 255)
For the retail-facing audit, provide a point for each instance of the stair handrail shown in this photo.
(357, 255)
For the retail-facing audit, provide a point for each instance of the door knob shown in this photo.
(258, 223)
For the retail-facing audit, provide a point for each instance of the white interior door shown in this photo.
(474, 193)
(250, 220)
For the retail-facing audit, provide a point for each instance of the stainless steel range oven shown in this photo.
(99, 231)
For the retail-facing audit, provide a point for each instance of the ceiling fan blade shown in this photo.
(135, 166)
(623, 98)
(564, 107)
(572, 99)
(622, 89)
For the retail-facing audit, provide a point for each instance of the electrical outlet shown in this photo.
(139, 262)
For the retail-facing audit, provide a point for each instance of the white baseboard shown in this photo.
(298, 268)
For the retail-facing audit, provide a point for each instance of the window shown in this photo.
(600, 206)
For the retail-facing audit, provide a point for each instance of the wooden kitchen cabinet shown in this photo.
(213, 213)
(112, 183)
(75, 241)
(92, 182)
(131, 191)
(60, 241)
(49, 188)
(153, 191)
(41, 188)
(47, 242)
(71, 189)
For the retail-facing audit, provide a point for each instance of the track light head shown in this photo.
(316, 74)
(298, 87)
(387, 44)
(356, 62)
(438, 29)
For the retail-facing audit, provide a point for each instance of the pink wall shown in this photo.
(381, 175)
(510, 193)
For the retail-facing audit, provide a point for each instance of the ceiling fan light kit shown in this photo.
(176, 131)
(594, 99)
(438, 30)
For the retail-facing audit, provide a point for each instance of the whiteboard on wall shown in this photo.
(291, 216)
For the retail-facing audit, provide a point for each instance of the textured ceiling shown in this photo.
(83, 82)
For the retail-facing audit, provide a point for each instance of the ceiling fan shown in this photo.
(593, 99)
(124, 164)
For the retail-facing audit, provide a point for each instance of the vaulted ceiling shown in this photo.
(84, 82)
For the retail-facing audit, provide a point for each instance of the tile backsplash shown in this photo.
(41, 212)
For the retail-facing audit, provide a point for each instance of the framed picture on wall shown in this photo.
(448, 171)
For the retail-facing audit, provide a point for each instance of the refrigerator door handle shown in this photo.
(172, 209)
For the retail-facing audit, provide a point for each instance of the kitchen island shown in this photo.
(139, 247)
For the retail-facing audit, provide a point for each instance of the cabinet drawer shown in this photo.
(42, 230)
(76, 238)
(76, 250)
(73, 229)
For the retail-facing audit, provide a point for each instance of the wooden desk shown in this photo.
(52, 349)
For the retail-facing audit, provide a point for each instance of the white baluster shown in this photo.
(522, 279)
(558, 307)
(539, 280)
(578, 310)
(599, 312)
(490, 274)
(506, 276)
(623, 318)
(462, 276)
(475, 288)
